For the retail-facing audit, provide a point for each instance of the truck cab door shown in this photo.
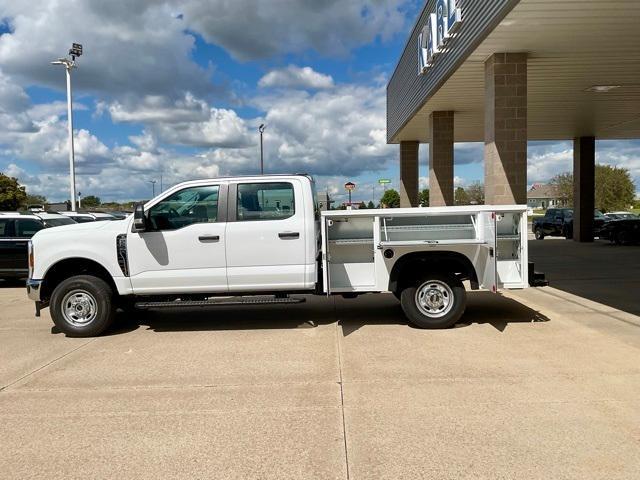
(488, 252)
(183, 248)
(266, 236)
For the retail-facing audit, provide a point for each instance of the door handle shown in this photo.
(287, 235)
(209, 238)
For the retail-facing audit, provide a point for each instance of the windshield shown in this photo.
(57, 222)
(598, 214)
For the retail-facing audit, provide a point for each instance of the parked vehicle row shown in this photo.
(559, 222)
(15, 232)
(16, 229)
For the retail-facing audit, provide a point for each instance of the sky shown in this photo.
(175, 90)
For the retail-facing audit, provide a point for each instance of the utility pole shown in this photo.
(153, 187)
(75, 51)
(261, 130)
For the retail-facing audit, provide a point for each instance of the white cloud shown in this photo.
(156, 109)
(545, 160)
(252, 30)
(137, 47)
(296, 77)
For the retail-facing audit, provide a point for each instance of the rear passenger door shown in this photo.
(266, 236)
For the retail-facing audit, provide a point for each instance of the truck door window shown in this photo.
(265, 201)
(6, 228)
(188, 206)
(27, 228)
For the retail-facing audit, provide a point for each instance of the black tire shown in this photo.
(623, 237)
(93, 298)
(439, 284)
(567, 233)
(538, 233)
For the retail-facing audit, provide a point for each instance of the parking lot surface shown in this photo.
(600, 271)
(536, 384)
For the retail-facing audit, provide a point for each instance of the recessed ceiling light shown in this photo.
(602, 88)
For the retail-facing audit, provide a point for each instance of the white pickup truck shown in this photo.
(261, 239)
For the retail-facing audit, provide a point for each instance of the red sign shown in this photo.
(350, 186)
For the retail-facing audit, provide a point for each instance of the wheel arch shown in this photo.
(70, 267)
(408, 266)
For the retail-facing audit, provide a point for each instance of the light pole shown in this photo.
(261, 130)
(79, 199)
(153, 187)
(75, 51)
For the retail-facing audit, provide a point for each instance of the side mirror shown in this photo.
(139, 220)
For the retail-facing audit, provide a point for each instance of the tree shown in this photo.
(475, 193)
(614, 188)
(34, 200)
(390, 199)
(370, 205)
(461, 197)
(91, 201)
(424, 198)
(12, 194)
(362, 206)
(563, 185)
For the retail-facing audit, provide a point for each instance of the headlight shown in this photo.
(31, 261)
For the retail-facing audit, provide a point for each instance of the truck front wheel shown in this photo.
(82, 306)
(434, 301)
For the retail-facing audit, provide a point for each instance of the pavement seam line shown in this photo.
(344, 422)
(2, 389)
(611, 313)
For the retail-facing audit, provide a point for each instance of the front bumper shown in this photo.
(33, 289)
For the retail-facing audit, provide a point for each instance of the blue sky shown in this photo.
(178, 88)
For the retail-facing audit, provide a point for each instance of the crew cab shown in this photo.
(263, 239)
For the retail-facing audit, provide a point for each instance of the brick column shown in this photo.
(409, 174)
(584, 166)
(441, 159)
(505, 129)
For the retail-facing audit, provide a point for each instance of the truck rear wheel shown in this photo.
(436, 300)
(82, 306)
(538, 233)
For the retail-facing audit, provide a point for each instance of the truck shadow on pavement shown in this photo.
(482, 308)
(351, 315)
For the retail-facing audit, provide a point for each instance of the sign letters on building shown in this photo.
(437, 32)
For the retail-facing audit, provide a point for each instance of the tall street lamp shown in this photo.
(75, 51)
(261, 130)
(153, 187)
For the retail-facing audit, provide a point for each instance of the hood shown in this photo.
(81, 228)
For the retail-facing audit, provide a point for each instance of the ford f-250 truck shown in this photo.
(262, 239)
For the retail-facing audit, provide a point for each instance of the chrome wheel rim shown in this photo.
(434, 298)
(79, 308)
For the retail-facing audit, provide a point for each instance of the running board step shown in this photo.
(222, 302)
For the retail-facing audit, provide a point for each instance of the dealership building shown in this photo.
(505, 72)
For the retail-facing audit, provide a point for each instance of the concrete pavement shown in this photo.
(534, 384)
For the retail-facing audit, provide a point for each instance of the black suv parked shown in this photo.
(15, 232)
(559, 222)
(556, 222)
